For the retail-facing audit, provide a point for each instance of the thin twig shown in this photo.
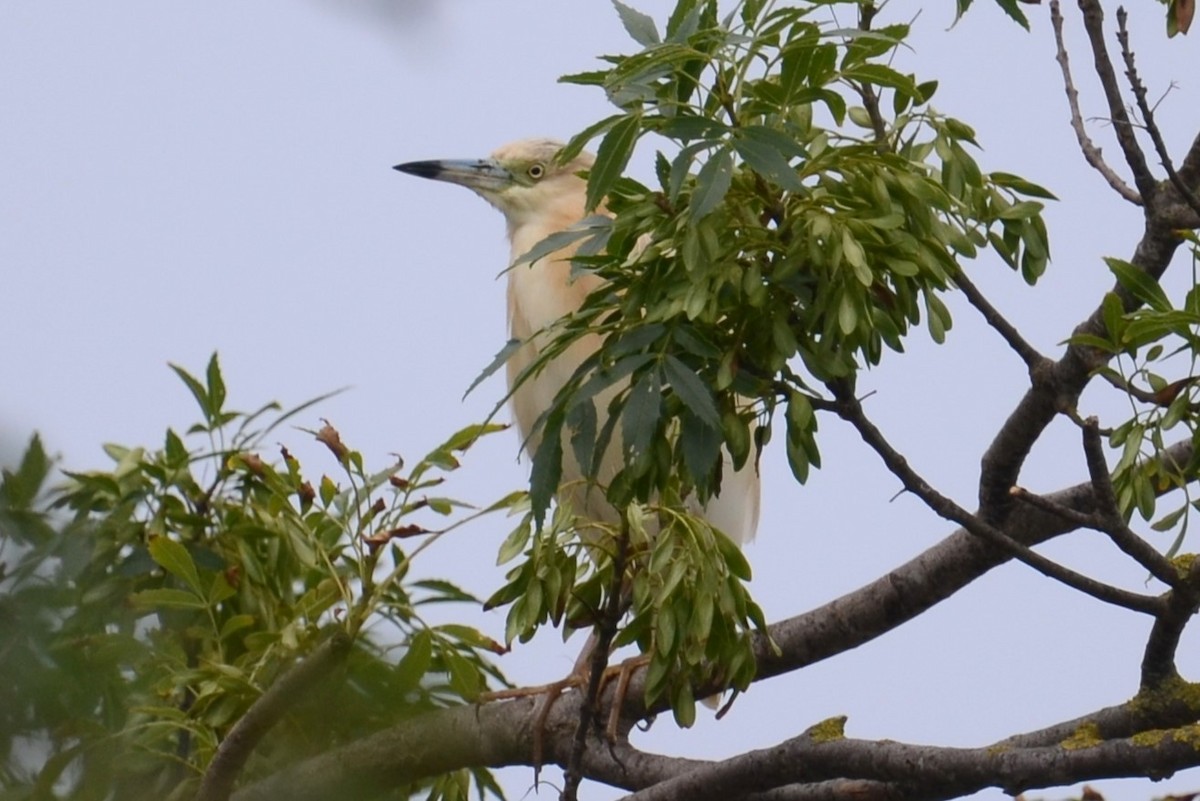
(1027, 352)
(1093, 24)
(1077, 518)
(606, 630)
(866, 13)
(850, 410)
(1091, 153)
(1139, 93)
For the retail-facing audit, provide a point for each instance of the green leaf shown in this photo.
(581, 421)
(514, 544)
(579, 141)
(611, 159)
(216, 385)
(197, 389)
(712, 183)
(759, 148)
(166, 598)
(639, 26)
(639, 421)
(584, 229)
(416, 662)
(1014, 11)
(1020, 185)
(701, 447)
(694, 393)
(174, 558)
(881, 75)
(1140, 285)
(20, 488)
(546, 471)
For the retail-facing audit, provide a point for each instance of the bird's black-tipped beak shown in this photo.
(484, 175)
(421, 169)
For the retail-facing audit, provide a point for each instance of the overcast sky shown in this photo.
(182, 178)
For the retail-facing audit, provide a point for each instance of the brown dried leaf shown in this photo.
(330, 438)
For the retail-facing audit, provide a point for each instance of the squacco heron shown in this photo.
(538, 198)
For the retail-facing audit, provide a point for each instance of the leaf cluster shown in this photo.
(1155, 345)
(146, 607)
(800, 226)
(688, 608)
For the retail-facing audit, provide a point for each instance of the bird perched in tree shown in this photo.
(538, 197)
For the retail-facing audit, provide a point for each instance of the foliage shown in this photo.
(810, 210)
(813, 208)
(1147, 341)
(147, 607)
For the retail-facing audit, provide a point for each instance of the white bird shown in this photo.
(538, 198)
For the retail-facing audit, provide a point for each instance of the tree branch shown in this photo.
(264, 713)
(850, 410)
(1010, 334)
(605, 630)
(1158, 660)
(1091, 153)
(1112, 521)
(1139, 93)
(1093, 24)
(941, 773)
(1056, 386)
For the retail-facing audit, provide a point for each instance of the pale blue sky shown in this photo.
(176, 179)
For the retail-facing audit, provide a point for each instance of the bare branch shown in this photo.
(1093, 24)
(850, 410)
(1078, 519)
(1139, 93)
(941, 773)
(1158, 660)
(1091, 153)
(1011, 335)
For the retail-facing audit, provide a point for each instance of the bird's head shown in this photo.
(522, 179)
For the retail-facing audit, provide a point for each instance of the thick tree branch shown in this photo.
(940, 773)
(264, 713)
(1091, 153)
(1158, 661)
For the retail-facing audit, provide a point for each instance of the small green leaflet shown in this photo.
(611, 158)
(503, 356)
(712, 183)
(639, 26)
(695, 395)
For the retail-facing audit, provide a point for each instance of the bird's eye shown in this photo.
(536, 171)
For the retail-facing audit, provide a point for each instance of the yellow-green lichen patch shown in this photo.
(1167, 694)
(829, 729)
(1149, 739)
(1188, 735)
(1183, 563)
(1085, 736)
